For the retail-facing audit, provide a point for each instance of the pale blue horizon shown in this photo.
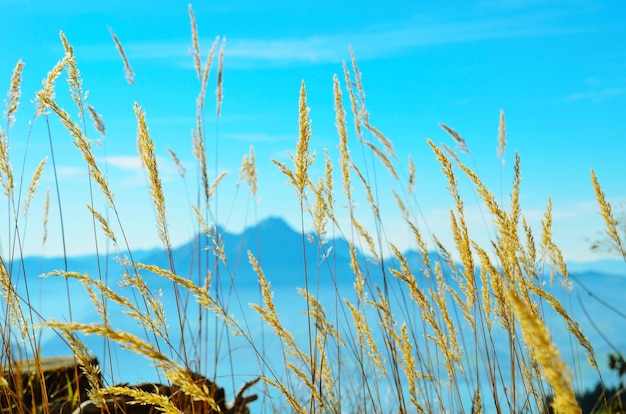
(556, 68)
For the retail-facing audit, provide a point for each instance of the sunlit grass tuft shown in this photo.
(400, 336)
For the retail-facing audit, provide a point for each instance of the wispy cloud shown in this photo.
(596, 95)
(256, 137)
(125, 162)
(70, 173)
(134, 164)
(129, 170)
(369, 43)
(516, 5)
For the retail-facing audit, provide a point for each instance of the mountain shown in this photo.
(279, 250)
(277, 247)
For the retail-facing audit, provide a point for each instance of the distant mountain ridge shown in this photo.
(277, 247)
(280, 252)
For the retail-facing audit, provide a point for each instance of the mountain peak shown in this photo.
(273, 223)
(272, 231)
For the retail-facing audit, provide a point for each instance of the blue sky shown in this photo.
(556, 68)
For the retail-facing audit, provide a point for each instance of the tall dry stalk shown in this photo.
(398, 336)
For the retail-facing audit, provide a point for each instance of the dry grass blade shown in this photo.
(408, 365)
(247, 172)
(459, 229)
(81, 142)
(572, 325)
(549, 247)
(46, 94)
(216, 182)
(212, 234)
(516, 210)
(383, 158)
(34, 183)
(340, 120)
(499, 215)
(73, 75)
(103, 223)
(324, 330)
(446, 344)
(12, 307)
(6, 170)
(401, 206)
(269, 314)
(422, 246)
(303, 159)
(366, 236)
(353, 102)
(501, 137)
(205, 80)
(537, 337)
(97, 120)
(487, 273)
(365, 337)
(317, 311)
(200, 154)
(46, 213)
(460, 142)
(462, 241)
(368, 191)
(124, 339)
(529, 256)
(451, 152)
(453, 351)
(180, 168)
(162, 403)
(146, 151)
(219, 91)
(130, 75)
(151, 321)
(410, 187)
(606, 212)
(201, 294)
(448, 171)
(14, 93)
(383, 140)
(328, 179)
(359, 88)
(398, 339)
(195, 52)
(291, 399)
(477, 404)
(319, 210)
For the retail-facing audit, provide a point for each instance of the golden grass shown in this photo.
(302, 160)
(130, 74)
(195, 51)
(542, 348)
(5, 165)
(404, 338)
(14, 93)
(607, 214)
(501, 137)
(219, 90)
(146, 150)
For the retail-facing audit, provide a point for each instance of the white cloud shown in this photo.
(125, 162)
(369, 43)
(596, 95)
(259, 137)
(380, 42)
(67, 172)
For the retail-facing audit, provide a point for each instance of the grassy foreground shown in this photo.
(421, 340)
